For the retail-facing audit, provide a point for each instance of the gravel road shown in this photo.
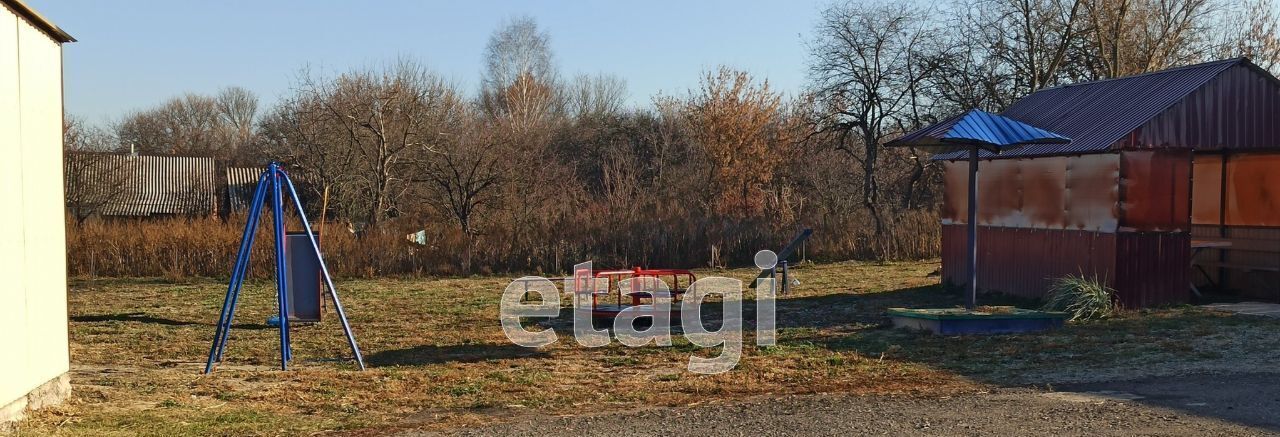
(1195, 405)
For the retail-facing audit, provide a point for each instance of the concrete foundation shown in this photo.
(52, 392)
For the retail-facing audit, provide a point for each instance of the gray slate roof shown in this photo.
(145, 185)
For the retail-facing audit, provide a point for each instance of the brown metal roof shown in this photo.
(1098, 115)
(38, 20)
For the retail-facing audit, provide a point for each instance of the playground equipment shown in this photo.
(631, 288)
(292, 276)
(779, 267)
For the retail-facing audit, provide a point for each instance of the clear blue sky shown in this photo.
(134, 54)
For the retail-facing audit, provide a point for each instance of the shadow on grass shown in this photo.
(1129, 347)
(250, 326)
(1120, 352)
(420, 355)
(139, 317)
(854, 310)
(1115, 351)
(131, 317)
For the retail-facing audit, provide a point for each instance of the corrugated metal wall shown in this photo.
(1145, 268)
(1235, 111)
(1022, 261)
(1122, 217)
(1039, 219)
(1152, 268)
(33, 301)
(1153, 245)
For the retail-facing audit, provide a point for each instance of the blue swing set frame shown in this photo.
(270, 184)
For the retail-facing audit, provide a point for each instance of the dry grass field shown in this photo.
(438, 359)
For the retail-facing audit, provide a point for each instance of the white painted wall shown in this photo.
(33, 284)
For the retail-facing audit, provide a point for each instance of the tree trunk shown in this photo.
(467, 253)
(871, 192)
(917, 172)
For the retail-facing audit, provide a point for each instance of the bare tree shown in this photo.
(185, 125)
(79, 136)
(294, 133)
(973, 74)
(518, 48)
(238, 108)
(1030, 38)
(519, 84)
(93, 177)
(462, 175)
(1128, 37)
(596, 96)
(193, 124)
(1257, 38)
(359, 133)
(867, 60)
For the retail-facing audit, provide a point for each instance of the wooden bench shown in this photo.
(1239, 266)
(1238, 245)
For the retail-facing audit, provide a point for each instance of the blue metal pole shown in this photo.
(972, 296)
(255, 215)
(333, 292)
(233, 287)
(281, 298)
(235, 299)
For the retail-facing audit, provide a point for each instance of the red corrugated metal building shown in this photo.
(1155, 160)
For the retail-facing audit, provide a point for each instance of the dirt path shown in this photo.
(1199, 405)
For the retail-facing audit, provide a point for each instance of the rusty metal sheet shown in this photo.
(1093, 192)
(955, 180)
(1077, 192)
(1206, 189)
(1000, 193)
(1253, 189)
(1044, 197)
(1156, 188)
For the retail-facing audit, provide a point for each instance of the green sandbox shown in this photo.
(984, 320)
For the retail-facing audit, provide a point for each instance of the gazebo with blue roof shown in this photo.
(976, 130)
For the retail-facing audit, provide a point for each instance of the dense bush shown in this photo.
(180, 247)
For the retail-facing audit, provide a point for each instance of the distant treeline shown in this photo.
(538, 170)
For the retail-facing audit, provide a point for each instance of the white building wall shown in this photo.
(33, 287)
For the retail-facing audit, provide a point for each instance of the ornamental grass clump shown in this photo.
(1080, 297)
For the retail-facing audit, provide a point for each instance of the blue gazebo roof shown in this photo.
(976, 127)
